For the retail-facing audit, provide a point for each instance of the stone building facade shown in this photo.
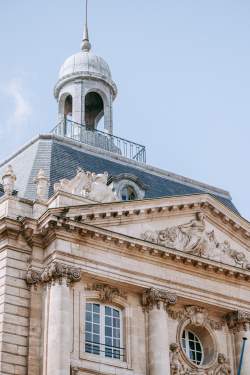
(111, 266)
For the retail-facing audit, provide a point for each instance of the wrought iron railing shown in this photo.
(109, 351)
(97, 138)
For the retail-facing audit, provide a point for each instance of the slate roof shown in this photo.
(60, 159)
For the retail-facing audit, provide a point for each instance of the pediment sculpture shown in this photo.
(88, 185)
(194, 238)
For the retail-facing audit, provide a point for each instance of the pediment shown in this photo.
(195, 225)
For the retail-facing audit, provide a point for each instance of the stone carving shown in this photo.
(154, 297)
(223, 366)
(107, 292)
(54, 272)
(74, 370)
(58, 271)
(41, 182)
(89, 185)
(193, 238)
(197, 315)
(238, 321)
(177, 366)
(8, 181)
(32, 277)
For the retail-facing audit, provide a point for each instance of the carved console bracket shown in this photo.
(107, 293)
(52, 273)
(198, 316)
(238, 321)
(154, 297)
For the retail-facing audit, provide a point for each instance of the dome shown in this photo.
(85, 63)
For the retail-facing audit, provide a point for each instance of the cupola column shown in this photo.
(239, 324)
(59, 278)
(155, 303)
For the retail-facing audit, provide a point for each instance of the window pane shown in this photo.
(192, 346)
(108, 331)
(108, 321)
(116, 313)
(96, 308)
(108, 310)
(92, 331)
(88, 316)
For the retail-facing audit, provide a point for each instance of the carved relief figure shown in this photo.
(193, 238)
(176, 367)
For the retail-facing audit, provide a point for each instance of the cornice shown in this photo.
(55, 227)
(136, 210)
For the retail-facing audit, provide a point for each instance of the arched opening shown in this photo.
(68, 107)
(94, 110)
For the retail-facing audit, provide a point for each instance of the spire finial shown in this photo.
(86, 46)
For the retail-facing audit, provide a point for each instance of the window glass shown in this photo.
(192, 346)
(128, 193)
(103, 331)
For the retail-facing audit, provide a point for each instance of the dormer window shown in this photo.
(128, 187)
(128, 193)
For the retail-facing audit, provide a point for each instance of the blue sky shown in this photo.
(182, 68)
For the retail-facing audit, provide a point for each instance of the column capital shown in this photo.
(238, 320)
(54, 272)
(155, 297)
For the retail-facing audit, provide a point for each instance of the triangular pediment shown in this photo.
(195, 225)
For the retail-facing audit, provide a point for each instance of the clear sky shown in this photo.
(182, 68)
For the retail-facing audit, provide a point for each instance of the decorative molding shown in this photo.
(107, 293)
(179, 367)
(193, 238)
(197, 315)
(154, 297)
(238, 321)
(55, 272)
(74, 370)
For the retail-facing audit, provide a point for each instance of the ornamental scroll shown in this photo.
(193, 238)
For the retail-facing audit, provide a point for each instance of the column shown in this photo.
(155, 302)
(239, 323)
(59, 317)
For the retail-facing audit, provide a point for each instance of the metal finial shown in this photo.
(86, 46)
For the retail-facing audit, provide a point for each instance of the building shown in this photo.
(109, 265)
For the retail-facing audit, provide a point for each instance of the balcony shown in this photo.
(99, 139)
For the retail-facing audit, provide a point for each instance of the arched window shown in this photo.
(192, 346)
(128, 193)
(103, 331)
(94, 110)
(68, 107)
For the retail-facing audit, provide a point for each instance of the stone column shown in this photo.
(239, 323)
(155, 302)
(59, 320)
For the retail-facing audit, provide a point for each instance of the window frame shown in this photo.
(102, 342)
(187, 348)
(81, 297)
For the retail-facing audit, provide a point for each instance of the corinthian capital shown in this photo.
(154, 297)
(59, 272)
(238, 320)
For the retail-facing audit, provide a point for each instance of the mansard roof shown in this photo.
(61, 157)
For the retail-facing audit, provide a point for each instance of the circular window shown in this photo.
(128, 193)
(192, 347)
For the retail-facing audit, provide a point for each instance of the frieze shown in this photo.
(155, 297)
(193, 238)
(107, 293)
(197, 315)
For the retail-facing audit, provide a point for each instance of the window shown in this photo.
(128, 193)
(192, 346)
(103, 331)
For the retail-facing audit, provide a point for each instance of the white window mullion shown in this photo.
(102, 338)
